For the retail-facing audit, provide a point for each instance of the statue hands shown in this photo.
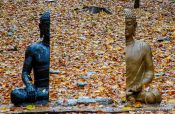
(31, 92)
(136, 88)
(129, 92)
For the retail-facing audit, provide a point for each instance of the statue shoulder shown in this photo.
(31, 49)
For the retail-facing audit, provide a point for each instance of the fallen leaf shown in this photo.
(126, 108)
(30, 107)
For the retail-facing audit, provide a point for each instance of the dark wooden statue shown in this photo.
(139, 65)
(136, 3)
(37, 58)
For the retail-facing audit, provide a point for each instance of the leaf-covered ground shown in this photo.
(84, 44)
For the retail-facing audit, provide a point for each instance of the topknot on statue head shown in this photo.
(45, 18)
(129, 14)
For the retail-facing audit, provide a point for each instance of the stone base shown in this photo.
(106, 109)
(37, 103)
(84, 100)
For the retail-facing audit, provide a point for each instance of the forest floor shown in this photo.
(84, 44)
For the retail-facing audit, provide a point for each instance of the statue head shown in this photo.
(44, 25)
(130, 23)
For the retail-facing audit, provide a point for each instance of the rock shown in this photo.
(59, 102)
(55, 71)
(10, 33)
(91, 73)
(71, 102)
(160, 74)
(108, 109)
(85, 100)
(81, 84)
(163, 39)
(19, 37)
(12, 30)
(13, 49)
(103, 101)
(82, 37)
(84, 77)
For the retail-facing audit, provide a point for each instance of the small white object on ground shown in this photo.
(50, 0)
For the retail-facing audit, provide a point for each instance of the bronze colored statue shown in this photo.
(37, 57)
(139, 65)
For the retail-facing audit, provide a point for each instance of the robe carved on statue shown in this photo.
(139, 65)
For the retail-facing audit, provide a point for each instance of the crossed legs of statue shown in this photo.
(20, 96)
(152, 96)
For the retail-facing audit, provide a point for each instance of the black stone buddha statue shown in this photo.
(37, 58)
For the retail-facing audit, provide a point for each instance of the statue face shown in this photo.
(130, 27)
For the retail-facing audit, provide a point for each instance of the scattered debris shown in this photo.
(55, 72)
(91, 73)
(82, 37)
(50, 0)
(160, 74)
(94, 9)
(10, 33)
(163, 39)
(84, 77)
(12, 30)
(81, 84)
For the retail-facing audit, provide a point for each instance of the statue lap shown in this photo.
(136, 69)
(20, 95)
(153, 96)
(41, 74)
